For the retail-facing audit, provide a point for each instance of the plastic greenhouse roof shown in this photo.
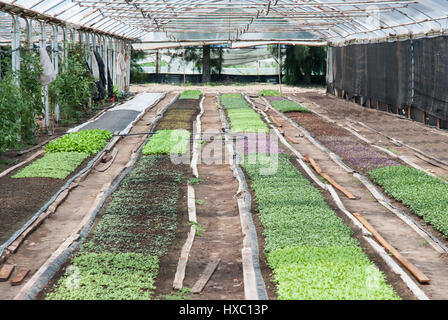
(165, 23)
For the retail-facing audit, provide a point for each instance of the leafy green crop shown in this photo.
(53, 165)
(108, 276)
(120, 260)
(86, 141)
(269, 93)
(233, 100)
(288, 106)
(190, 94)
(308, 246)
(328, 273)
(167, 142)
(242, 118)
(425, 195)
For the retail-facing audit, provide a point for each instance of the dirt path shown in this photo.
(41, 244)
(395, 231)
(430, 141)
(217, 213)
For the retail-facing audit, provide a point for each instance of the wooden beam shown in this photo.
(206, 275)
(420, 276)
(313, 164)
(6, 271)
(291, 139)
(329, 179)
(338, 186)
(19, 277)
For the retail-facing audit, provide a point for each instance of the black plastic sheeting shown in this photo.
(113, 120)
(403, 74)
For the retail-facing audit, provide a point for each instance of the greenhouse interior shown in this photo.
(238, 150)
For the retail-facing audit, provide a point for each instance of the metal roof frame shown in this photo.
(170, 22)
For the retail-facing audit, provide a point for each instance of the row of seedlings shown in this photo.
(24, 191)
(425, 195)
(120, 259)
(309, 248)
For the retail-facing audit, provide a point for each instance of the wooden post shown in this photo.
(424, 118)
(409, 112)
(438, 123)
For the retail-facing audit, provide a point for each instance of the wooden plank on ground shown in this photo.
(291, 139)
(6, 271)
(313, 164)
(338, 186)
(19, 277)
(206, 275)
(419, 275)
(273, 119)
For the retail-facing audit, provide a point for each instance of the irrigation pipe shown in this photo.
(41, 278)
(367, 235)
(255, 288)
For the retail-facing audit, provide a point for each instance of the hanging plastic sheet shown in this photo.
(48, 73)
(99, 74)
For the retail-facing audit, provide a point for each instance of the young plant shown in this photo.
(86, 141)
(190, 94)
(53, 165)
(167, 142)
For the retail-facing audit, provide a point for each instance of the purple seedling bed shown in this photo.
(272, 99)
(357, 155)
(257, 143)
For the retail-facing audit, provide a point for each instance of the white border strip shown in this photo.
(196, 144)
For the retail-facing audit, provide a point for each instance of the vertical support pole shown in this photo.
(183, 62)
(157, 63)
(29, 34)
(279, 67)
(55, 57)
(128, 69)
(15, 45)
(43, 44)
(94, 48)
(409, 112)
(438, 123)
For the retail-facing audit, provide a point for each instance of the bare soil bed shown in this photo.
(22, 198)
(358, 155)
(425, 138)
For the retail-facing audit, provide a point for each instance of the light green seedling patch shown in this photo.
(269, 93)
(168, 142)
(425, 195)
(53, 165)
(289, 106)
(108, 276)
(190, 94)
(86, 141)
(311, 251)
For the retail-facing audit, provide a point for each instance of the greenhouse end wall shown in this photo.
(405, 77)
